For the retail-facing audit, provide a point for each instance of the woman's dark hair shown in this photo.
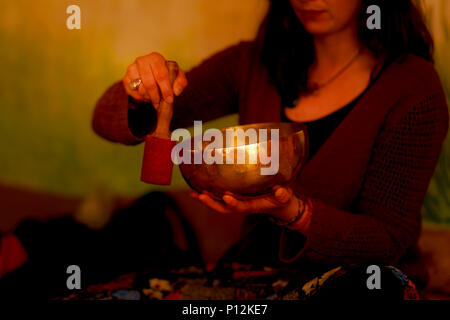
(287, 49)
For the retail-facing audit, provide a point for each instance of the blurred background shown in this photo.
(50, 158)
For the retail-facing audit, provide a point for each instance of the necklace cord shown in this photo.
(316, 86)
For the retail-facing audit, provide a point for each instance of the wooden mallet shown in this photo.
(157, 163)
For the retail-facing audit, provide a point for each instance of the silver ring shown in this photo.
(134, 85)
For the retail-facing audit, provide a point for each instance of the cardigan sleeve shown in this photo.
(212, 92)
(386, 217)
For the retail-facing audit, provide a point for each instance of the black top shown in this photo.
(321, 129)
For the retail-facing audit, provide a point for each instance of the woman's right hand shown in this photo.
(153, 72)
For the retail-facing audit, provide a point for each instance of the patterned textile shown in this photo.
(246, 282)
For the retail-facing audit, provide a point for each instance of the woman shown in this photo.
(372, 102)
(374, 109)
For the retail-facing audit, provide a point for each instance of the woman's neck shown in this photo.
(334, 50)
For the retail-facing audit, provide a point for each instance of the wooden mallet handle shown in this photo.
(165, 109)
(157, 163)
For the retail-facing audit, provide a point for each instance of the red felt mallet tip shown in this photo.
(157, 163)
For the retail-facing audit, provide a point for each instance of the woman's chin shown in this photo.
(318, 29)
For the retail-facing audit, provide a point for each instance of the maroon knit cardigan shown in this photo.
(368, 180)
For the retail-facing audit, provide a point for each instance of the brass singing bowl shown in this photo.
(244, 180)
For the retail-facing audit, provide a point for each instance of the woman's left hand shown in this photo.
(282, 203)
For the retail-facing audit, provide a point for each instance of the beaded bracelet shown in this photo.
(303, 221)
(301, 210)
